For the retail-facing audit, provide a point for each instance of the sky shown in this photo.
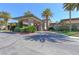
(18, 9)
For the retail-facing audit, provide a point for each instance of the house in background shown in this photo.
(53, 24)
(74, 22)
(11, 22)
(30, 20)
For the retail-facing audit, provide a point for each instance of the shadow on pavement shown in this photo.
(52, 37)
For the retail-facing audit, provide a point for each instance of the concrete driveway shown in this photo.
(39, 43)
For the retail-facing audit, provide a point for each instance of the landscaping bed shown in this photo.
(72, 33)
(25, 29)
(4, 30)
(22, 32)
(65, 30)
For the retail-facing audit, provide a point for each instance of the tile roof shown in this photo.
(71, 19)
(27, 16)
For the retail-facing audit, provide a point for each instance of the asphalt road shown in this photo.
(39, 43)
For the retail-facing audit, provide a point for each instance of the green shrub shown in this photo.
(17, 29)
(22, 30)
(25, 29)
(20, 24)
(31, 28)
(51, 29)
(62, 28)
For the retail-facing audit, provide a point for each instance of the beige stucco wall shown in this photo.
(72, 21)
(33, 21)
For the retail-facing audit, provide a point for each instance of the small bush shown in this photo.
(51, 29)
(20, 24)
(25, 29)
(31, 29)
(17, 29)
(62, 28)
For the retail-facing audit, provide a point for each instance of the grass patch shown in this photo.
(69, 33)
(72, 33)
(4, 31)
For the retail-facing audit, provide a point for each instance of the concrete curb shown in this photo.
(74, 37)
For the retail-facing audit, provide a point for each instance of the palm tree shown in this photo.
(28, 13)
(69, 7)
(47, 13)
(20, 24)
(76, 6)
(5, 16)
(1, 22)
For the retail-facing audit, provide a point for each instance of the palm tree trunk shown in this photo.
(6, 23)
(70, 26)
(47, 23)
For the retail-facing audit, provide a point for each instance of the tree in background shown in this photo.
(47, 14)
(70, 7)
(5, 16)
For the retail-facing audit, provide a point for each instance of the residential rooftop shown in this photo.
(31, 15)
(68, 19)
